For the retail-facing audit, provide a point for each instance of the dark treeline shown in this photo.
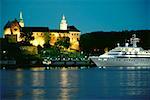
(96, 42)
(11, 51)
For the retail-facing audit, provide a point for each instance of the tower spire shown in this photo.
(63, 18)
(21, 15)
(63, 23)
(21, 22)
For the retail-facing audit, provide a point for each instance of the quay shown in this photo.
(67, 61)
(46, 62)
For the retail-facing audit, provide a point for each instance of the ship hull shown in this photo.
(121, 62)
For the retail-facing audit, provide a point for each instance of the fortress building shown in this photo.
(41, 35)
(12, 30)
(66, 31)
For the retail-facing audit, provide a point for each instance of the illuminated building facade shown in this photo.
(66, 31)
(15, 28)
(12, 28)
(38, 34)
(71, 32)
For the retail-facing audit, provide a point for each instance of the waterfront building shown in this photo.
(39, 34)
(13, 29)
(66, 31)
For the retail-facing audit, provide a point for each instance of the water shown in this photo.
(75, 84)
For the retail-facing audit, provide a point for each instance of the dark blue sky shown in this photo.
(86, 15)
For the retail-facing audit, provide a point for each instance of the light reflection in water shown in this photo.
(19, 83)
(38, 94)
(38, 78)
(19, 77)
(132, 81)
(67, 84)
(19, 94)
(64, 93)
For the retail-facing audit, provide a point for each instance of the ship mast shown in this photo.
(134, 40)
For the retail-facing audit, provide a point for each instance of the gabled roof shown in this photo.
(9, 23)
(35, 29)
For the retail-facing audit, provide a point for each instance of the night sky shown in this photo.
(86, 15)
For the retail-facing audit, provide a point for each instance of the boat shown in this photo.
(129, 55)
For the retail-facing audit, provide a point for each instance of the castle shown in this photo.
(14, 29)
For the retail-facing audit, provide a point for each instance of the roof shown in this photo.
(61, 31)
(9, 23)
(69, 28)
(35, 29)
(72, 28)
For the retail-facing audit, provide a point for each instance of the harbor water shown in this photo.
(75, 84)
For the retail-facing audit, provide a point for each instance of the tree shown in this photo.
(47, 39)
(63, 42)
(26, 37)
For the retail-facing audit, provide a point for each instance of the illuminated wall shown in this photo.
(73, 35)
(38, 39)
(74, 40)
(53, 37)
(7, 31)
(14, 29)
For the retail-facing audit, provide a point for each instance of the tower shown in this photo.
(63, 23)
(21, 22)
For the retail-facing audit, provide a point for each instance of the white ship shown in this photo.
(126, 56)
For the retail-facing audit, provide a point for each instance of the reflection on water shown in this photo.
(38, 94)
(19, 83)
(135, 82)
(38, 77)
(68, 84)
(19, 77)
(19, 94)
(64, 95)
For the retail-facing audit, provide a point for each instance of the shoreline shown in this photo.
(53, 64)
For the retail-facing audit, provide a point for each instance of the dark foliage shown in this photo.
(26, 37)
(101, 40)
(12, 50)
(63, 41)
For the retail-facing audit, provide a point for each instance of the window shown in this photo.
(15, 29)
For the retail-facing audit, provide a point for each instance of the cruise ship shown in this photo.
(124, 56)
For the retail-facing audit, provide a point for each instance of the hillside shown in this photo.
(96, 42)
